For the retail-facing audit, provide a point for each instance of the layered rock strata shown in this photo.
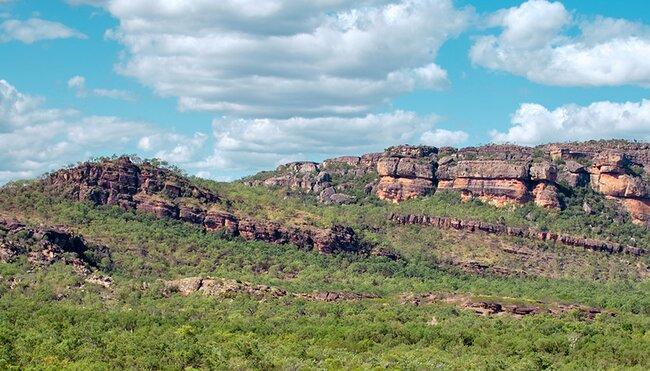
(499, 174)
(476, 226)
(406, 172)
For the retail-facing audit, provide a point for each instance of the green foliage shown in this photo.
(50, 318)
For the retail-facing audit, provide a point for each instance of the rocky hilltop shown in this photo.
(499, 174)
(166, 194)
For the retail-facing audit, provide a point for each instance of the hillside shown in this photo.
(493, 257)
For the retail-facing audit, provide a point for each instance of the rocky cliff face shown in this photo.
(406, 172)
(164, 194)
(498, 174)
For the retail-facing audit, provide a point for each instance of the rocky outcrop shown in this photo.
(500, 306)
(329, 179)
(163, 194)
(406, 172)
(483, 227)
(217, 287)
(44, 246)
(336, 239)
(124, 183)
(610, 175)
(500, 175)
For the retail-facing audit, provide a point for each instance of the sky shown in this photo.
(227, 88)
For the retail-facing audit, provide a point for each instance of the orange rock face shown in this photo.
(401, 189)
(406, 172)
(639, 210)
(496, 191)
(546, 196)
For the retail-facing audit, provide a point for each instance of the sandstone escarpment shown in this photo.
(500, 175)
(336, 239)
(163, 194)
(484, 227)
(406, 172)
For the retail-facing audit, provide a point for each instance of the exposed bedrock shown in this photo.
(406, 172)
(44, 246)
(473, 226)
(162, 193)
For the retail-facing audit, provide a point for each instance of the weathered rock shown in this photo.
(476, 226)
(401, 189)
(545, 171)
(496, 191)
(217, 287)
(484, 169)
(44, 246)
(406, 172)
(158, 207)
(329, 196)
(546, 196)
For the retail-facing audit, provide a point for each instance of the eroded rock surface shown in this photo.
(44, 246)
(499, 174)
(484, 227)
(406, 172)
(490, 306)
(164, 194)
(217, 287)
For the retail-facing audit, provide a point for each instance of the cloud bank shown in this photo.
(539, 41)
(535, 124)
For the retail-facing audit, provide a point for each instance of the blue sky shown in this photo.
(225, 89)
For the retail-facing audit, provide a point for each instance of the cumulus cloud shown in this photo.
(535, 124)
(78, 84)
(284, 58)
(173, 147)
(536, 43)
(259, 144)
(35, 139)
(35, 29)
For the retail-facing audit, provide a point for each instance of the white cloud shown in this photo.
(284, 58)
(535, 124)
(78, 84)
(173, 147)
(258, 144)
(534, 44)
(36, 139)
(35, 29)
(442, 138)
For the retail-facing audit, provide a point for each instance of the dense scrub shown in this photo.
(51, 318)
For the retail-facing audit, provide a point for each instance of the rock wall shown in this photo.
(406, 172)
(500, 175)
(483, 227)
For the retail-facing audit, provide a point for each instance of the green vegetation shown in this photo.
(50, 318)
